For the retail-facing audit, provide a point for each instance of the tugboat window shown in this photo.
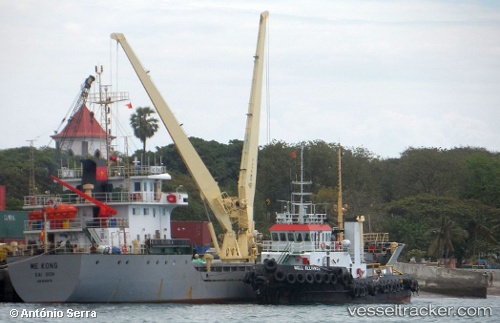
(291, 236)
(299, 237)
(307, 237)
(274, 236)
(282, 236)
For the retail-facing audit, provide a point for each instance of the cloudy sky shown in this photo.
(382, 75)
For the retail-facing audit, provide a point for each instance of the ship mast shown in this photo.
(340, 214)
(105, 98)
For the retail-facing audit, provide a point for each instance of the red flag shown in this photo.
(101, 173)
(293, 154)
(42, 234)
(129, 105)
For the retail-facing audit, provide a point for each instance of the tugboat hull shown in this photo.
(288, 284)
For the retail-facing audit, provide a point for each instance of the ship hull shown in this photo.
(288, 284)
(92, 278)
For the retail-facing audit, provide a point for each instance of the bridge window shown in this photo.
(298, 237)
(282, 236)
(291, 236)
(274, 236)
(307, 237)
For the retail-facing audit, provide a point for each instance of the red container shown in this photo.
(196, 231)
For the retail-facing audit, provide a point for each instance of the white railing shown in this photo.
(299, 247)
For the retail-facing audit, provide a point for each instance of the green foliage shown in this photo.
(144, 126)
(414, 198)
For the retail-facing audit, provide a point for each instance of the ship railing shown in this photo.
(377, 269)
(32, 249)
(294, 218)
(111, 222)
(53, 225)
(376, 237)
(300, 247)
(114, 171)
(39, 201)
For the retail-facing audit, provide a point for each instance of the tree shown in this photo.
(144, 125)
(445, 236)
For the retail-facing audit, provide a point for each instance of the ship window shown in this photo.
(137, 186)
(154, 212)
(274, 236)
(151, 186)
(282, 236)
(291, 237)
(135, 211)
(146, 211)
(307, 237)
(299, 237)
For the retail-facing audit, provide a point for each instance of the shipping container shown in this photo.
(196, 231)
(12, 225)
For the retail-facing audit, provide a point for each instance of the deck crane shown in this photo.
(238, 243)
(81, 101)
(105, 210)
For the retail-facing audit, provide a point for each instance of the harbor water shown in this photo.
(423, 308)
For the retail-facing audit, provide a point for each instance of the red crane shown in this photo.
(105, 211)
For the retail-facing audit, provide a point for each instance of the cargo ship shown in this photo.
(108, 237)
(307, 261)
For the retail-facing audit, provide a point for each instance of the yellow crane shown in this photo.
(235, 214)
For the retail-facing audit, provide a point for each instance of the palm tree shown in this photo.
(444, 237)
(144, 125)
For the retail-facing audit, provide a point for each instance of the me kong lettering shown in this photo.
(43, 265)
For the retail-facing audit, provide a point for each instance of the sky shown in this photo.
(380, 75)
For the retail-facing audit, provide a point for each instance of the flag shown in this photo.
(42, 234)
(101, 173)
(293, 154)
(129, 105)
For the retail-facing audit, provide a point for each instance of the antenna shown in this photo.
(32, 186)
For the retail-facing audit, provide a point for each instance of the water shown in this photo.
(480, 310)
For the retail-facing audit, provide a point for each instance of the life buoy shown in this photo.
(323, 246)
(171, 198)
(360, 273)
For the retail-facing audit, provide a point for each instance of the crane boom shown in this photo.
(235, 247)
(105, 210)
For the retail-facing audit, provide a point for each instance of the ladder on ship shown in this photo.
(93, 236)
(285, 254)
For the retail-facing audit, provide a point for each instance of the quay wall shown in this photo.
(451, 282)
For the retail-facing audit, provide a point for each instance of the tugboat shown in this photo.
(307, 261)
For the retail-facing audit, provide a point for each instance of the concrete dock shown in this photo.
(451, 282)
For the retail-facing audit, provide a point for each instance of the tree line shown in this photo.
(440, 203)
